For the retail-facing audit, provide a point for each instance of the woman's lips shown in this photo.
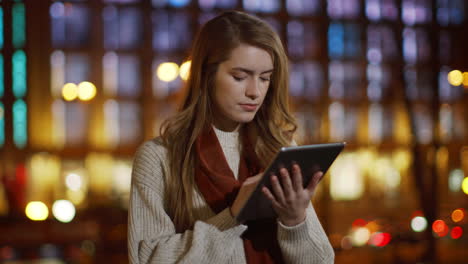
(249, 107)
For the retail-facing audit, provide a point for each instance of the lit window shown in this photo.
(70, 25)
(302, 7)
(123, 27)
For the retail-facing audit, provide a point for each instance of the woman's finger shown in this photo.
(277, 189)
(313, 183)
(297, 178)
(270, 197)
(287, 184)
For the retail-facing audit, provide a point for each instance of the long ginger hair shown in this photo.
(272, 127)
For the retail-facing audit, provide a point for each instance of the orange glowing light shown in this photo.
(440, 228)
(458, 215)
(372, 226)
(465, 79)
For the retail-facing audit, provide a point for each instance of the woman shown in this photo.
(187, 184)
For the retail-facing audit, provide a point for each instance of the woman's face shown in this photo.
(241, 83)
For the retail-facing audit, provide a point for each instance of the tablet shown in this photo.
(310, 158)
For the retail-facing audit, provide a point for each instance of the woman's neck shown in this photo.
(227, 127)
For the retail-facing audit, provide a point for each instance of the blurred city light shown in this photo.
(122, 177)
(37, 211)
(346, 242)
(86, 91)
(167, 71)
(465, 185)
(63, 210)
(185, 70)
(458, 215)
(372, 226)
(455, 180)
(346, 178)
(418, 224)
(76, 197)
(2, 124)
(20, 123)
(465, 79)
(456, 232)
(401, 159)
(379, 239)
(440, 228)
(73, 181)
(455, 77)
(359, 222)
(360, 236)
(70, 91)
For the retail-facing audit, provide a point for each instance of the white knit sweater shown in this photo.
(215, 238)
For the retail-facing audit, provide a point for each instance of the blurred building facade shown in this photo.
(83, 83)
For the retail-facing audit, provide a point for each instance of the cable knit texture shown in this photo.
(215, 238)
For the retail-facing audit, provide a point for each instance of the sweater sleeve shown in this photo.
(305, 242)
(151, 233)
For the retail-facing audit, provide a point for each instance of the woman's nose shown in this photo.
(253, 89)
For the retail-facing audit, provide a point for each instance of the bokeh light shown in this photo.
(63, 210)
(373, 226)
(465, 185)
(185, 70)
(418, 223)
(455, 77)
(359, 222)
(440, 228)
(73, 181)
(360, 236)
(456, 232)
(346, 177)
(465, 79)
(86, 91)
(402, 159)
(455, 180)
(346, 242)
(167, 71)
(380, 239)
(458, 215)
(76, 197)
(70, 91)
(37, 211)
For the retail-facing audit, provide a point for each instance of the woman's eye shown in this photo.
(237, 78)
(265, 79)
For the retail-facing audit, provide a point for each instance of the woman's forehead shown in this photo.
(249, 57)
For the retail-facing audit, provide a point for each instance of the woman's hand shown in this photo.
(291, 200)
(248, 186)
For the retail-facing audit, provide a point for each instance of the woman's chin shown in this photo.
(246, 119)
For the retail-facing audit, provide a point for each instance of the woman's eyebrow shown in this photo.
(250, 72)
